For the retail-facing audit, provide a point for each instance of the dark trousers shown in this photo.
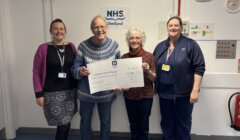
(176, 118)
(62, 132)
(138, 114)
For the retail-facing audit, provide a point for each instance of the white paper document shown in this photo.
(112, 74)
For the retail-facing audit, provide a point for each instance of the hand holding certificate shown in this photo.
(112, 74)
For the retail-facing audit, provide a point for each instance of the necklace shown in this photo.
(62, 50)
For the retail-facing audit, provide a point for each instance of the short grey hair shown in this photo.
(94, 19)
(136, 29)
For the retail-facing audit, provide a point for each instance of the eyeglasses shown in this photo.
(135, 38)
(99, 27)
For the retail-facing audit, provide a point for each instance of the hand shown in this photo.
(194, 96)
(145, 66)
(40, 101)
(84, 71)
(125, 89)
(121, 89)
(117, 89)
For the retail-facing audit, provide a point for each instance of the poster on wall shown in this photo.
(202, 31)
(117, 17)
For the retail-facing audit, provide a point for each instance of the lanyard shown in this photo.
(59, 55)
(61, 59)
(169, 52)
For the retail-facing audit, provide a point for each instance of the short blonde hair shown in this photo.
(136, 29)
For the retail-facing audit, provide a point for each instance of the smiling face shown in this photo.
(99, 29)
(135, 40)
(174, 28)
(58, 32)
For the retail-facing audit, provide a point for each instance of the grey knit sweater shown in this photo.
(89, 52)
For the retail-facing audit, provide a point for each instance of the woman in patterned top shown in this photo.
(54, 86)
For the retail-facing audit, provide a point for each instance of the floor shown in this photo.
(32, 136)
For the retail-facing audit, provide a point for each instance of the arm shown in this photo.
(196, 88)
(118, 54)
(79, 69)
(150, 71)
(38, 72)
(199, 69)
(149, 68)
(73, 48)
(197, 59)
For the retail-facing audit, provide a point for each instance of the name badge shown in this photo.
(165, 67)
(62, 75)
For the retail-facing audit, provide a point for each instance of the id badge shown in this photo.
(165, 67)
(62, 75)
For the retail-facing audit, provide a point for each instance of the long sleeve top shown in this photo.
(90, 52)
(40, 68)
(188, 60)
(145, 92)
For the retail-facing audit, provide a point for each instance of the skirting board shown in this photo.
(31, 130)
(2, 134)
(74, 132)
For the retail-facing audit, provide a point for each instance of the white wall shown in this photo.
(28, 33)
(9, 111)
(210, 116)
(2, 117)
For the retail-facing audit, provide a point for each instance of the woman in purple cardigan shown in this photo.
(54, 86)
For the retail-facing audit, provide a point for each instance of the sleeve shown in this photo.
(197, 59)
(78, 62)
(38, 72)
(118, 54)
(152, 64)
(73, 48)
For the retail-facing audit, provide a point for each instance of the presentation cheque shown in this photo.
(112, 74)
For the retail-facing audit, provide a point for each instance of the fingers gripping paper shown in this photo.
(112, 74)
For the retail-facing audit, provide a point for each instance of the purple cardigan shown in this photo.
(39, 66)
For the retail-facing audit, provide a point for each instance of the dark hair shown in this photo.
(57, 20)
(176, 17)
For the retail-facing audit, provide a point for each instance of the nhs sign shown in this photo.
(117, 17)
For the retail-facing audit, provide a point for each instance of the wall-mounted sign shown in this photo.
(238, 65)
(117, 17)
(202, 31)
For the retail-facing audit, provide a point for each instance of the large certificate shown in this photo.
(112, 74)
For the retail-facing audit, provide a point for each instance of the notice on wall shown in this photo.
(238, 65)
(202, 31)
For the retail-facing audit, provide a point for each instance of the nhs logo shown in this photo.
(117, 17)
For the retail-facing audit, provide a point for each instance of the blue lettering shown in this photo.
(121, 13)
(113, 13)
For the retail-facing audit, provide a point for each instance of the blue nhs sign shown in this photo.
(115, 13)
(115, 17)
